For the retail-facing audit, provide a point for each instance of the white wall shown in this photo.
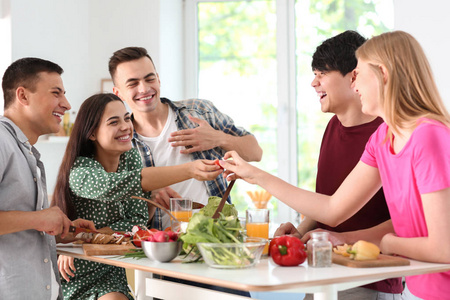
(81, 35)
(5, 42)
(57, 31)
(429, 23)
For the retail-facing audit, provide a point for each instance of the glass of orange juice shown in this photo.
(257, 224)
(181, 208)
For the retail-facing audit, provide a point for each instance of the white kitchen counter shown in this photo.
(265, 276)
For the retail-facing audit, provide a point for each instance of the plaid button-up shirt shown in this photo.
(205, 110)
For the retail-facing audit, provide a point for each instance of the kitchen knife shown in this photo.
(77, 230)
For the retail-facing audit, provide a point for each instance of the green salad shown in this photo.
(213, 202)
(202, 228)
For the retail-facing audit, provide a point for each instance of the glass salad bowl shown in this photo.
(233, 255)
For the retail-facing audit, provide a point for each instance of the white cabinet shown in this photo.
(52, 151)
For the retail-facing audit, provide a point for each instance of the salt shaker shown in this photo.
(319, 250)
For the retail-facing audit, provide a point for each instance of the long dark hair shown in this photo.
(87, 121)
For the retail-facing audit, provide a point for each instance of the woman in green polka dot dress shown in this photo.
(99, 174)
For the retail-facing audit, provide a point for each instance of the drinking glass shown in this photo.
(181, 208)
(257, 224)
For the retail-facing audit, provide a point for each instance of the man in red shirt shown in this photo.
(343, 143)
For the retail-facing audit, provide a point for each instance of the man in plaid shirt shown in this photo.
(174, 132)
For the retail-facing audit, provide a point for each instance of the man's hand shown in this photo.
(52, 221)
(162, 196)
(201, 138)
(287, 229)
(336, 238)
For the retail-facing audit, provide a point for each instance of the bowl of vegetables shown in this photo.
(233, 255)
(162, 246)
(162, 251)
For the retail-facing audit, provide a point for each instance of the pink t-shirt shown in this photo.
(421, 167)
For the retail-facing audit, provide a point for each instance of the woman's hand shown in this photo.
(66, 267)
(84, 224)
(204, 170)
(233, 163)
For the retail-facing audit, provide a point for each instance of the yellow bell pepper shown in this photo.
(363, 250)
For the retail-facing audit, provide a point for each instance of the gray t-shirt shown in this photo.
(27, 258)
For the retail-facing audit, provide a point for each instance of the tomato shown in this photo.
(141, 235)
(216, 162)
(154, 235)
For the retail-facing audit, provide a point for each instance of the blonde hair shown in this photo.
(410, 92)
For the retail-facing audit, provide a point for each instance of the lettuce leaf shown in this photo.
(213, 202)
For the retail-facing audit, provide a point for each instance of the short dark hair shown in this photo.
(125, 55)
(338, 53)
(25, 72)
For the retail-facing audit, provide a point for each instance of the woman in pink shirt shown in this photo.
(409, 155)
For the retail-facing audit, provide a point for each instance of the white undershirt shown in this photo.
(166, 155)
(55, 285)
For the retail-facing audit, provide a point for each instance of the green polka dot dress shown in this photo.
(105, 198)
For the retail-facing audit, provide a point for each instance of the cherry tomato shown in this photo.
(216, 162)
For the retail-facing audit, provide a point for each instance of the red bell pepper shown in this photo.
(287, 250)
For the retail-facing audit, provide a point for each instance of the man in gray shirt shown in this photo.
(34, 105)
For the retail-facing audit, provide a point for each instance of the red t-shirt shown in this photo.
(340, 151)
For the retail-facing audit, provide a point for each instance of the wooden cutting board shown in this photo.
(108, 249)
(381, 261)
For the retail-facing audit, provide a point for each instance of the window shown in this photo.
(315, 22)
(237, 69)
(252, 58)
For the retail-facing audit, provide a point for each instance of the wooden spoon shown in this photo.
(196, 205)
(224, 198)
(157, 205)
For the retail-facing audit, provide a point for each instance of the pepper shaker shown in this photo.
(319, 250)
